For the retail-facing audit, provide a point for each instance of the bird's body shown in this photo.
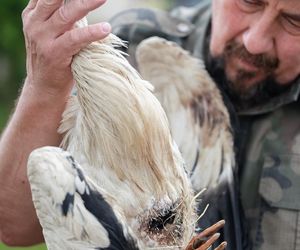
(80, 210)
(199, 120)
(125, 146)
(118, 132)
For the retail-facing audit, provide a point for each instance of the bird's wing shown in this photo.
(73, 212)
(198, 118)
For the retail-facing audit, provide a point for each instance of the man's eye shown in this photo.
(291, 25)
(250, 5)
(255, 2)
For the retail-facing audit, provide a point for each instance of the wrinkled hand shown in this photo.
(205, 239)
(52, 40)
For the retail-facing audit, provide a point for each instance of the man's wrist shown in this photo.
(43, 93)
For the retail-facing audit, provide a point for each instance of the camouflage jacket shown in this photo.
(269, 169)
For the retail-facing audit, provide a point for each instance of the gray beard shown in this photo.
(242, 98)
(259, 93)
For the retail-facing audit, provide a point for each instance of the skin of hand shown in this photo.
(205, 239)
(51, 42)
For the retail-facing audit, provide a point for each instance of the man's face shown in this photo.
(256, 40)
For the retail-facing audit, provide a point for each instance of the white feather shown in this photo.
(51, 178)
(118, 132)
(199, 120)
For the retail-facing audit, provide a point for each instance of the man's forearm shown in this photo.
(51, 40)
(34, 124)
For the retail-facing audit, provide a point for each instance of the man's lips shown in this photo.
(238, 69)
(244, 65)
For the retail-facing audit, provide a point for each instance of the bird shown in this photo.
(199, 120)
(118, 180)
(203, 126)
(82, 211)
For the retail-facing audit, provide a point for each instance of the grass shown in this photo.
(38, 247)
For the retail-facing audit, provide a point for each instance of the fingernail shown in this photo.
(223, 245)
(106, 28)
(221, 222)
(217, 235)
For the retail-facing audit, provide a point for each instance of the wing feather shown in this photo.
(73, 212)
(199, 120)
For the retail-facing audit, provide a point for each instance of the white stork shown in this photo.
(121, 183)
(199, 120)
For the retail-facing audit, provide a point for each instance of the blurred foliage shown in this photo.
(12, 51)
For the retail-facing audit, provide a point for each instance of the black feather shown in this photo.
(95, 203)
(68, 204)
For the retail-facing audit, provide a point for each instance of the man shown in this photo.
(250, 47)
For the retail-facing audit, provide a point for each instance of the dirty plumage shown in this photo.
(117, 131)
(80, 215)
(201, 126)
(120, 163)
(199, 120)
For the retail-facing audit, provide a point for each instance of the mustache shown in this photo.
(263, 61)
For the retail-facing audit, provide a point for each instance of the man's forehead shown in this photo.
(283, 4)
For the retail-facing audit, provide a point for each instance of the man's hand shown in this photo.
(51, 42)
(207, 238)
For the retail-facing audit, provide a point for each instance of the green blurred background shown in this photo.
(12, 52)
(12, 55)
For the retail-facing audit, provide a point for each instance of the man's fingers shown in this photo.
(213, 229)
(206, 238)
(45, 9)
(64, 17)
(222, 246)
(76, 39)
(31, 4)
(209, 242)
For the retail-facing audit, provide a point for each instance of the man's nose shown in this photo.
(259, 37)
